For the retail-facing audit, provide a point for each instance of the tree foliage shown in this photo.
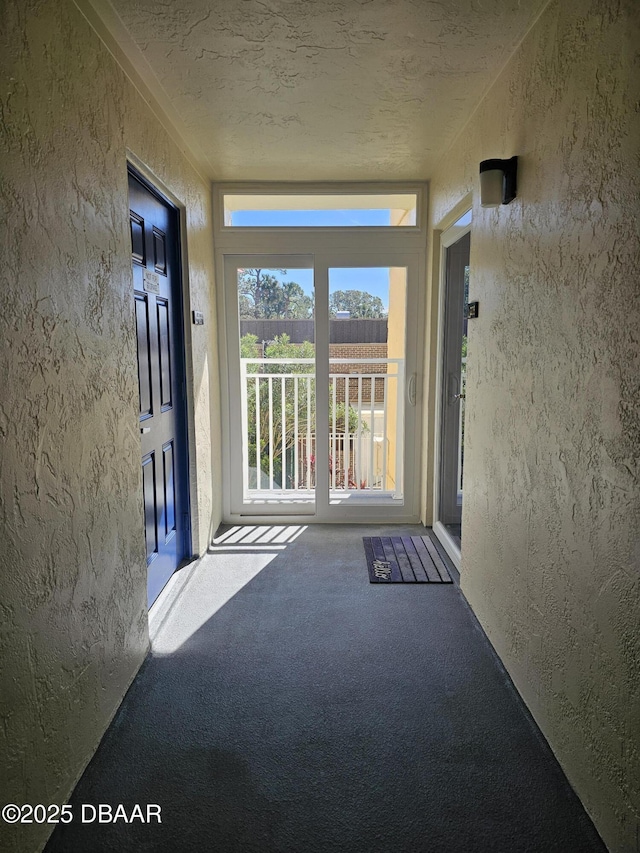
(262, 296)
(281, 347)
(249, 346)
(359, 303)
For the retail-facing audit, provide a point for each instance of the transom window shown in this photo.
(320, 210)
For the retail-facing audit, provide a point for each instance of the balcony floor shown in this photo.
(288, 705)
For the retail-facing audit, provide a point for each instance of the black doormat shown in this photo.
(404, 559)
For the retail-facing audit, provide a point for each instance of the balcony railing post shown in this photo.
(334, 456)
(358, 461)
(296, 451)
(345, 432)
(283, 405)
(258, 455)
(245, 427)
(400, 431)
(308, 454)
(385, 397)
(271, 432)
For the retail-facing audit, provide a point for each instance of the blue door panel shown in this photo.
(160, 339)
(169, 492)
(150, 506)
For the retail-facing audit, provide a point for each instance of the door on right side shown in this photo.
(456, 244)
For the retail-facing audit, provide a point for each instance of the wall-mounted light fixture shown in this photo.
(498, 181)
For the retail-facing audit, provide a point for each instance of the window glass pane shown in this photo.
(277, 358)
(367, 310)
(320, 211)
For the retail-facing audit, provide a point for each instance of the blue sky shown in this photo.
(374, 280)
(309, 218)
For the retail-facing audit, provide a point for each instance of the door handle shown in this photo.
(458, 397)
(411, 389)
(454, 387)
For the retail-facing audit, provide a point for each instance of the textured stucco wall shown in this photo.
(73, 608)
(551, 525)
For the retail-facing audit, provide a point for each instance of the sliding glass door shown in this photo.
(321, 355)
(367, 358)
(272, 370)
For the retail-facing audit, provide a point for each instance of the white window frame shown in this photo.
(235, 235)
(449, 235)
(403, 246)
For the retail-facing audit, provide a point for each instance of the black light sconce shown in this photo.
(498, 181)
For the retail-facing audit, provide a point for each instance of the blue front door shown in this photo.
(159, 323)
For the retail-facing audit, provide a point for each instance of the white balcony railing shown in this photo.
(365, 425)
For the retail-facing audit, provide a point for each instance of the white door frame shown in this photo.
(329, 248)
(448, 237)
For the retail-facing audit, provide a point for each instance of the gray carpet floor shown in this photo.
(290, 706)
